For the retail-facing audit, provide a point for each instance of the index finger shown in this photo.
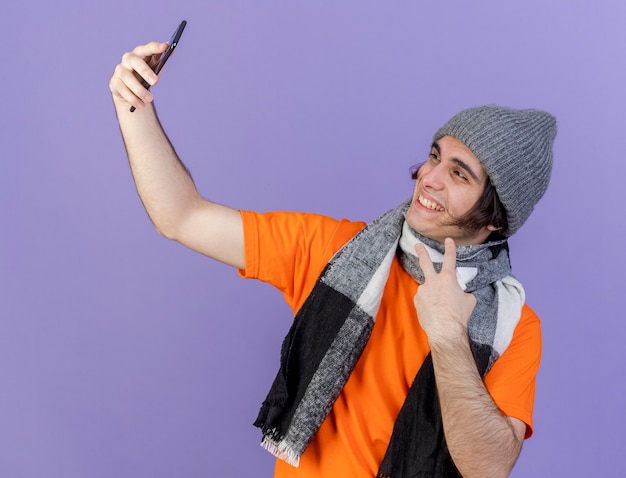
(425, 263)
(141, 60)
(150, 49)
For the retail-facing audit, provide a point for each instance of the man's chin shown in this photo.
(416, 220)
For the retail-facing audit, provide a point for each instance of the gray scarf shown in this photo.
(333, 325)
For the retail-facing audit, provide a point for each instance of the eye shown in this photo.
(434, 157)
(460, 174)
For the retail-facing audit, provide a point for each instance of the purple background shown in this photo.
(123, 354)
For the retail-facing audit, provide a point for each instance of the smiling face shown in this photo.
(448, 185)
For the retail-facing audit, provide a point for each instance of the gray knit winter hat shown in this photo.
(514, 147)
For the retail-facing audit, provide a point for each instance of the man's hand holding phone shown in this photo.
(139, 70)
(127, 82)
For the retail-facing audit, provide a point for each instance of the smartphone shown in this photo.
(166, 54)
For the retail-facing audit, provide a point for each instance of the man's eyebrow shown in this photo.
(460, 163)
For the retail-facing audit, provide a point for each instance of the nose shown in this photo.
(433, 177)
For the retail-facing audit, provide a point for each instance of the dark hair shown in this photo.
(488, 211)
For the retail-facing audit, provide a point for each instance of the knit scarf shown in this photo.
(334, 324)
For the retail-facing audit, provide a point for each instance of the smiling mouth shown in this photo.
(427, 203)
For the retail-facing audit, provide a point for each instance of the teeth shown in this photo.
(429, 204)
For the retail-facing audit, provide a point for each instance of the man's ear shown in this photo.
(491, 228)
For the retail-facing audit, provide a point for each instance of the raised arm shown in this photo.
(164, 185)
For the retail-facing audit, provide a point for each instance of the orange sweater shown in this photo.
(289, 251)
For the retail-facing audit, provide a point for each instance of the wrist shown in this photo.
(453, 337)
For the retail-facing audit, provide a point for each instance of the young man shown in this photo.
(412, 352)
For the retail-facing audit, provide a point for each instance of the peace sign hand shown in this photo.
(443, 308)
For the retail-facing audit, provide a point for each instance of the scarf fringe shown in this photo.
(281, 450)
